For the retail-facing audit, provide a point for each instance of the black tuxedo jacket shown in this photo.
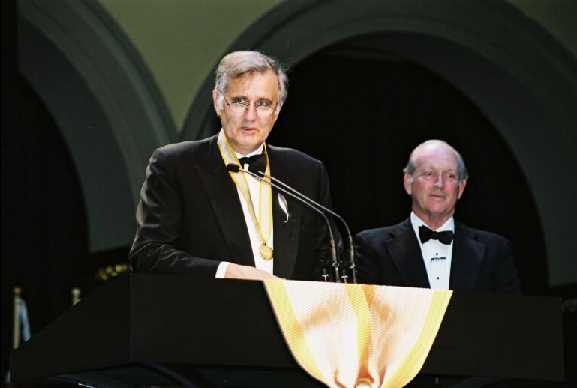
(481, 261)
(190, 216)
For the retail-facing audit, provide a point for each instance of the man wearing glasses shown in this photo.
(198, 215)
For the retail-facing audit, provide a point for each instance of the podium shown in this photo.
(176, 329)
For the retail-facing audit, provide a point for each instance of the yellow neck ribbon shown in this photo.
(263, 220)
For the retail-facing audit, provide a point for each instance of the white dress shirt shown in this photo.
(254, 189)
(436, 255)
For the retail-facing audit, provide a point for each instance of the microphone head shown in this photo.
(231, 167)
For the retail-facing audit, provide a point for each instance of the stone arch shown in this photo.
(104, 101)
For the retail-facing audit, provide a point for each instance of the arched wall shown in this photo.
(517, 74)
(104, 102)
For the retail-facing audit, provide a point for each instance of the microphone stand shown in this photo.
(299, 197)
(352, 265)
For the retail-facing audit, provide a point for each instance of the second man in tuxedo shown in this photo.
(197, 215)
(430, 249)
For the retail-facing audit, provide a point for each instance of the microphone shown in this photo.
(297, 195)
(352, 264)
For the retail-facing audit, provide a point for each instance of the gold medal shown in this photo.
(265, 251)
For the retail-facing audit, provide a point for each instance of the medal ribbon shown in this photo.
(263, 221)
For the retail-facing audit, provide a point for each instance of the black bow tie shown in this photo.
(426, 234)
(255, 163)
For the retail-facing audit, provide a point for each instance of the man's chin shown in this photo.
(438, 212)
(252, 140)
(249, 147)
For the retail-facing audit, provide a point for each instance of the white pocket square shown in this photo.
(284, 206)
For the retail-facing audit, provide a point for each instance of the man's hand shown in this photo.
(235, 271)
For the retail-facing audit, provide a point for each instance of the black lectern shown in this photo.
(175, 329)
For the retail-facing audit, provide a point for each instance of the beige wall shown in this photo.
(557, 16)
(181, 40)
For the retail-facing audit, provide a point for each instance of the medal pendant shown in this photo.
(265, 252)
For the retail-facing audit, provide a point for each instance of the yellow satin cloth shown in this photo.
(356, 335)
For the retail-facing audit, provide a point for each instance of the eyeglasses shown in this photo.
(241, 105)
(430, 175)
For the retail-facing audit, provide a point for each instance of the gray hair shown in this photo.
(462, 172)
(237, 63)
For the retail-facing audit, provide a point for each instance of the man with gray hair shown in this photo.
(431, 249)
(201, 212)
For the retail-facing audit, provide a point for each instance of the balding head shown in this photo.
(429, 145)
(435, 178)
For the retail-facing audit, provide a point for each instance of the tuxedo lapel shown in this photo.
(406, 254)
(225, 203)
(468, 255)
(285, 232)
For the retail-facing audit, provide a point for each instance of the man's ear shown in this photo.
(462, 185)
(408, 182)
(276, 113)
(215, 96)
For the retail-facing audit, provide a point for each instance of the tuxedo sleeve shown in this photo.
(505, 275)
(368, 269)
(159, 223)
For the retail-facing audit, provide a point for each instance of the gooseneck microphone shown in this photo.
(352, 264)
(301, 198)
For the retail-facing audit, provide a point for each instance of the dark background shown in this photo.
(44, 228)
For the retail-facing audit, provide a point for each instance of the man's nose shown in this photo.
(250, 112)
(439, 181)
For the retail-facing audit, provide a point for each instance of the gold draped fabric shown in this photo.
(356, 335)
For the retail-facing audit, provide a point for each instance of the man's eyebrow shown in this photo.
(246, 98)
